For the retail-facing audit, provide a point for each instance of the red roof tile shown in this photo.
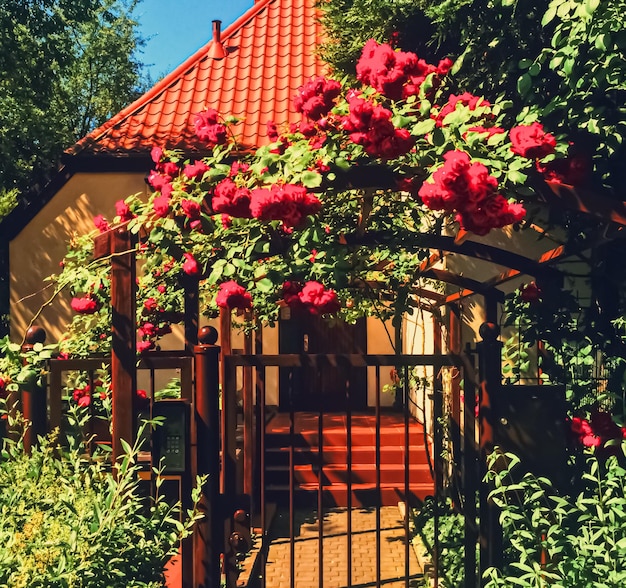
(270, 54)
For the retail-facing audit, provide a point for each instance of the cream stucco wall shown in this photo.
(36, 252)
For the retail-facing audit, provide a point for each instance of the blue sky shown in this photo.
(176, 29)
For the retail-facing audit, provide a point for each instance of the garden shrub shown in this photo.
(570, 541)
(67, 521)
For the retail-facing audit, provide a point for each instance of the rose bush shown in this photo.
(337, 204)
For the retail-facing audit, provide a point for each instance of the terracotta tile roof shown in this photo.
(270, 53)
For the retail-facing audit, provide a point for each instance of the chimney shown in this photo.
(216, 49)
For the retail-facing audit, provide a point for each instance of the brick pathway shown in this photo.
(392, 549)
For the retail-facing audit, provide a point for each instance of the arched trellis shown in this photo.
(118, 244)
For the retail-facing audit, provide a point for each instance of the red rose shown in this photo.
(316, 98)
(530, 293)
(147, 330)
(190, 265)
(582, 429)
(395, 74)
(532, 141)
(195, 170)
(467, 99)
(156, 154)
(191, 209)
(288, 203)
(232, 295)
(318, 300)
(143, 346)
(209, 129)
(161, 206)
(101, 223)
(229, 199)
(84, 305)
(150, 304)
(123, 211)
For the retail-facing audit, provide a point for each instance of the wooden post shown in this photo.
(34, 402)
(124, 348)
(490, 356)
(209, 532)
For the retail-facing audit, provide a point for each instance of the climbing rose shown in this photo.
(291, 291)
(288, 203)
(370, 125)
(319, 300)
(530, 293)
(472, 102)
(582, 429)
(156, 154)
(209, 129)
(145, 346)
(395, 74)
(232, 295)
(191, 209)
(101, 223)
(316, 98)
(84, 305)
(195, 170)
(466, 187)
(161, 206)
(190, 265)
(82, 396)
(123, 211)
(493, 213)
(147, 330)
(150, 304)
(229, 199)
(532, 141)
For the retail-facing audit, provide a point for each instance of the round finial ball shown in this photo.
(489, 331)
(35, 335)
(207, 335)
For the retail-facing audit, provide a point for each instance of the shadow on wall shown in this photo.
(36, 252)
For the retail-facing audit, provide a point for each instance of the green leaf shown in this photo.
(311, 179)
(524, 84)
(423, 127)
(265, 285)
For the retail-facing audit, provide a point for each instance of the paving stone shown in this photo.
(335, 550)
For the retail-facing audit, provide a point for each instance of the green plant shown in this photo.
(450, 539)
(66, 520)
(570, 540)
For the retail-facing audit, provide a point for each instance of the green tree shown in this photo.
(65, 67)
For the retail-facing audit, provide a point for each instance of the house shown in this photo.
(250, 71)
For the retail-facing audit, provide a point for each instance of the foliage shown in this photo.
(8, 201)
(581, 537)
(450, 539)
(66, 520)
(334, 217)
(79, 58)
(582, 336)
(562, 60)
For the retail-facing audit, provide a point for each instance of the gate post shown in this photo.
(208, 534)
(490, 368)
(34, 402)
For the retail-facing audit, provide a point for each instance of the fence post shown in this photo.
(208, 534)
(490, 367)
(34, 402)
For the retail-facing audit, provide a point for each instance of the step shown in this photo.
(361, 437)
(339, 455)
(363, 495)
(393, 474)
